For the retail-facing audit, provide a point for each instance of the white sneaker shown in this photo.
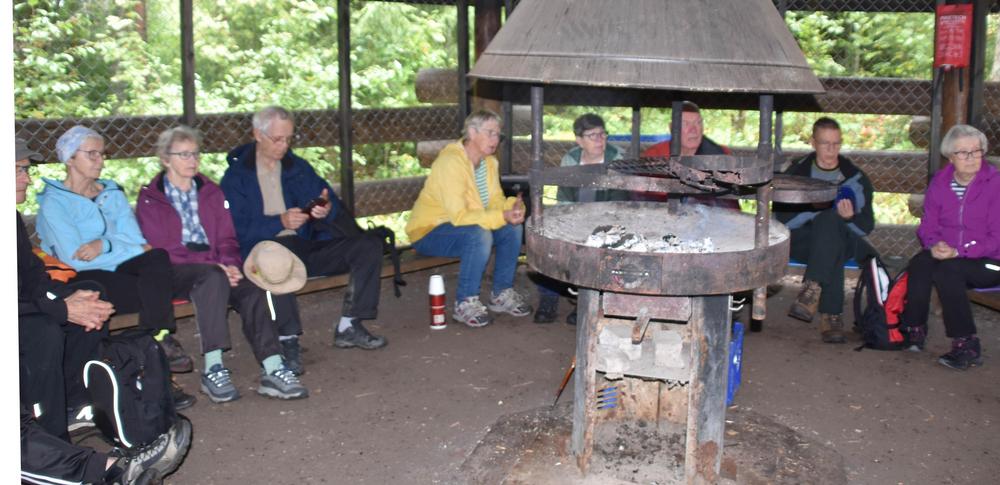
(472, 312)
(510, 301)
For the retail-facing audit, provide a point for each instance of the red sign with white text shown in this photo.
(953, 40)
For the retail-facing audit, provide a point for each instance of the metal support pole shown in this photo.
(463, 60)
(537, 164)
(676, 108)
(762, 220)
(779, 133)
(706, 421)
(636, 131)
(344, 65)
(187, 61)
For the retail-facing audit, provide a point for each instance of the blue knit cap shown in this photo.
(69, 142)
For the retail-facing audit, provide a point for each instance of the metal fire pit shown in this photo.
(655, 323)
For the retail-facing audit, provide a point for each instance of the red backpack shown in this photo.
(878, 303)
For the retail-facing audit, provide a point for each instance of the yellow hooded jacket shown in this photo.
(450, 195)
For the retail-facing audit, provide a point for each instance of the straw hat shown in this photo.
(274, 268)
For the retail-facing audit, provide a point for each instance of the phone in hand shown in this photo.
(317, 202)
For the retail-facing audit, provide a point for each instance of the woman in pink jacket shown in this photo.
(186, 214)
(960, 233)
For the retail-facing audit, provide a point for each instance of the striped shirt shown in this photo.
(958, 189)
(484, 189)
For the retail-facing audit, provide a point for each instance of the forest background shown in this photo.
(89, 58)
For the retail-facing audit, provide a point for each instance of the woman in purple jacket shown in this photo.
(960, 233)
(186, 214)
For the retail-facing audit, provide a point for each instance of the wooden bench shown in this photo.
(410, 262)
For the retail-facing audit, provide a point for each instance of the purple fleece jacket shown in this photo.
(970, 225)
(161, 224)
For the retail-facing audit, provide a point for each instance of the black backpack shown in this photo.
(345, 223)
(130, 389)
(878, 302)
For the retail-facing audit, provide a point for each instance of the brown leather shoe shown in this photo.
(807, 303)
(831, 328)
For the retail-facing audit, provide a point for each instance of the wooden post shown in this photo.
(344, 65)
(187, 61)
(537, 164)
(487, 24)
(977, 62)
(709, 359)
(636, 131)
(676, 108)
(462, 25)
(762, 220)
(584, 382)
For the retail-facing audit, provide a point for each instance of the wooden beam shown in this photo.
(799, 5)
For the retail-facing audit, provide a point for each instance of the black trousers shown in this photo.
(207, 286)
(142, 284)
(52, 355)
(361, 256)
(952, 278)
(825, 244)
(48, 459)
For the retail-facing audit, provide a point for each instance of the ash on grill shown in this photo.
(617, 237)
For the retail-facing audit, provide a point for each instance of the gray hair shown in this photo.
(478, 118)
(174, 135)
(961, 131)
(262, 119)
(69, 142)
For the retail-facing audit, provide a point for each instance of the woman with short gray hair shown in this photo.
(960, 233)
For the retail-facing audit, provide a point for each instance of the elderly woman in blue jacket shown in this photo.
(86, 221)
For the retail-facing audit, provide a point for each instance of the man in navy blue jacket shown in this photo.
(276, 195)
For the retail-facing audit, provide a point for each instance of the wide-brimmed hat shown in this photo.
(274, 268)
(23, 151)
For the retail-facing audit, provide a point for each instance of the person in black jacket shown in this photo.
(825, 236)
(59, 326)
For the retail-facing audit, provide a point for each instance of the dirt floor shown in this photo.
(415, 411)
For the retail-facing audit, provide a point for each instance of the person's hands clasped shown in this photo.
(89, 251)
(86, 309)
(941, 250)
(233, 273)
(516, 214)
(294, 218)
(845, 208)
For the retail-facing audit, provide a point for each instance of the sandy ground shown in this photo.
(414, 411)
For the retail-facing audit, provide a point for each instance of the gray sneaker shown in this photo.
(218, 385)
(158, 459)
(282, 384)
(510, 301)
(472, 312)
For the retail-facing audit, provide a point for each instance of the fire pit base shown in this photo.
(532, 447)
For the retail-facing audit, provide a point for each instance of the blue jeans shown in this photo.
(472, 245)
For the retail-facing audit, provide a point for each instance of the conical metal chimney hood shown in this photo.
(738, 46)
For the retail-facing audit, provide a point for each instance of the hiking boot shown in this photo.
(548, 309)
(282, 384)
(831, 328)
(148, 464)
(291, 353)
(472, 312)
(80, 417)
(357, 336)
(510, 301)
(964, 353)
(182, 400)
(915, 337)
(180, 361)
(807, 303)
(218, 385)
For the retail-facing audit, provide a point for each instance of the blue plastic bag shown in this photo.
(735, 362)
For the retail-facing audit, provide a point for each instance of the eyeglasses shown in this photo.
(23, 169)
(964, 155)
(185, 155)
(595, 136)
(287, 140)
(492, 134)
(93, 155)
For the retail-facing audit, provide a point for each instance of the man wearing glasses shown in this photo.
(274, 194)
(827, 235)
